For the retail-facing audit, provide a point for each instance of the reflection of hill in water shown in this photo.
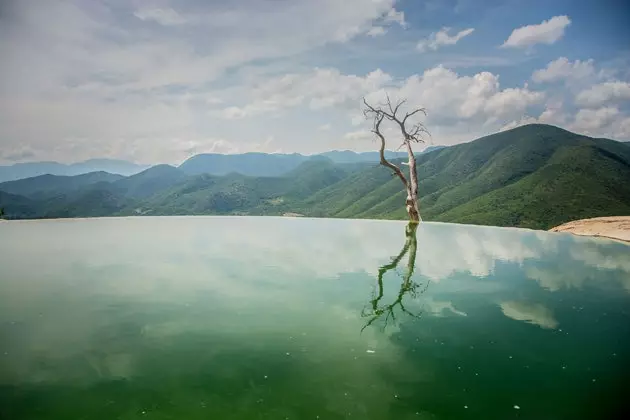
(535, 176)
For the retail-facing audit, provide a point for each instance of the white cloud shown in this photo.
(166, 16)
(553, 114)
(450, 97)
(454, 61)
(179, 262)
(595, 259)
(359, 135)
(532, 313)
(511, 101)
(357, 118)
(324, 127)
(321, 88)
(227, 147)
(152, 83)
(604, 93)
(601, 104)
(563, 69)
(214, 101)
(589, 121)
(602, 122)
(441, 308)
(233, 113)
(92, 73)
(394, 16)
(547, 32)
(222, 146)
(622, 131)
(523, 121)
(441, 38)
(376, 31)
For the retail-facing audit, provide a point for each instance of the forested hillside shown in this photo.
(535, 176)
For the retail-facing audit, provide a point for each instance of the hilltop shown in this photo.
(252, 164)
(535, 176)
(32, 169)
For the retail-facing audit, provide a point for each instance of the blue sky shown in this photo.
(159, 81)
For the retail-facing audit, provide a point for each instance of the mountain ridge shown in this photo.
(249, 163)
(25, 170)
(536, 176)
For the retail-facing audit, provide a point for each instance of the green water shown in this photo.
(280, 318)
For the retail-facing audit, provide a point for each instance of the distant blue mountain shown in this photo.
(264, 164)
(433, 149)
(348, 156)
(31, 169)
(46, 186)
(149, 181)
(531, 171)
(251, 164)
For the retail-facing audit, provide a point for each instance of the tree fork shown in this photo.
(410, 135)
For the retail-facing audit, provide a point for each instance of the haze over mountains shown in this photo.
(31, 169)
(276, 164)
(255, 164)
(535, 176)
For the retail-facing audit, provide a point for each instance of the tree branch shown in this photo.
(412, 134)
(409, 114)
(408, 136)
(379, 116)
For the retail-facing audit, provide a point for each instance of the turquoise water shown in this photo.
(282, 318)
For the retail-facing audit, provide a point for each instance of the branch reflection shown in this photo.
(375, 309)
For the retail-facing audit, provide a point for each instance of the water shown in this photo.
(276, 318)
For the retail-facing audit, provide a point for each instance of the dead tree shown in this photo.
(375, 309)
(412, 134)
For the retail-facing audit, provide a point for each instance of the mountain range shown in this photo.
(253, 164)
(535, 176)
(31, 169)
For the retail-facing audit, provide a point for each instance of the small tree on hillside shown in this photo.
(411, 133)
(1, 213)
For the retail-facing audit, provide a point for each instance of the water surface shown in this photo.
(282, 318)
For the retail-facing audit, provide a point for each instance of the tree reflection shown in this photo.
(375, 309)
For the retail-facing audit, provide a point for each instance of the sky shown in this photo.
(158, 81)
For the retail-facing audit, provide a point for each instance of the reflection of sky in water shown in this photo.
(214, 313)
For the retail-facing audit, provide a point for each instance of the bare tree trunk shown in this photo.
(412, 207)
(409, 135)
(412, 188)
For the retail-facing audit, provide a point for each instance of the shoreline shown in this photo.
(611, 227)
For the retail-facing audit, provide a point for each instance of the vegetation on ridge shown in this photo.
(535, 176)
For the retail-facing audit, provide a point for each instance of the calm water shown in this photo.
(272, 318)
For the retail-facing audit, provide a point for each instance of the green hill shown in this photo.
(239, 194)
(272, 164)
(17, 206)
(95, 202)
(47, 186)
(535, 176)
(34, 169)
(149, 181)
